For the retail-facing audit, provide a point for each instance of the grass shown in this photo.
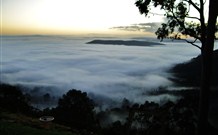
(8, 128)
(17, 124)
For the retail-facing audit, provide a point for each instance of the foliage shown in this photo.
(153, 119)
(12, 99)
(76, 110)
(177, 14)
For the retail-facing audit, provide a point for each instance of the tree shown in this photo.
(75, 109)
(12, 99)
(177, 13)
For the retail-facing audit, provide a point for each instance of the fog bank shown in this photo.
(57, 64)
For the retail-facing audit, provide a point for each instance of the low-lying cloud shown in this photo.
(113, 72)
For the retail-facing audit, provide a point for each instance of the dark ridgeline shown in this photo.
(124, 42)
(189, 73)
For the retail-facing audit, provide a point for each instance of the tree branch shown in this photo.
(193, 18)
(193, 43)
(202, 21)
(193, 4)
(190, 42)
(182, 24)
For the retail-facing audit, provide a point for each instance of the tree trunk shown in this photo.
(207, 57)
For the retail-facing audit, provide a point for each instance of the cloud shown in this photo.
(113, 72)
(144, 27)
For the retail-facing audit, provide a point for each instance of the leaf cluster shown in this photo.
(177, 13)
(76, 110)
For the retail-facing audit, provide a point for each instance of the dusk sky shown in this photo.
(69, 16)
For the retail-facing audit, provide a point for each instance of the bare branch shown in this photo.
(193, 4)
(193, 18)
(193, 43)
(190, 42)
(153, 13)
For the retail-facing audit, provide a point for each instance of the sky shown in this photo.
(69, 16)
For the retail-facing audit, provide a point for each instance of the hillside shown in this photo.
(124, 42)
(18, 124)
(188, 73)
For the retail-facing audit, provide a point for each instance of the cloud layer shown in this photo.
(113, 72)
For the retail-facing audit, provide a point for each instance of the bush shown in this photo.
(75, 109)
(12, 99)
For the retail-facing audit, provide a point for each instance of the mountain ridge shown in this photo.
(124, 42)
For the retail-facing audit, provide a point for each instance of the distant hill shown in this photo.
(124, 42)
(188, 73)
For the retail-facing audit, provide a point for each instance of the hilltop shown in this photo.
(124, 42)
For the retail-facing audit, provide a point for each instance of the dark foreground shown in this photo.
(76, 114)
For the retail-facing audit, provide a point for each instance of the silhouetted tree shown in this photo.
(177, 11)
(125, 104)
(12, 99)
(46, 97)
(75, 109)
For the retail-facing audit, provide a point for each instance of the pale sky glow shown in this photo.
(68, 16)
(73, 16)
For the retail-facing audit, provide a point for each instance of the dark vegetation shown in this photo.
(16, 128)
(75, 114)
(75, 110)
(189, 73)
(177, 13)
(13, 100)
(123, 42)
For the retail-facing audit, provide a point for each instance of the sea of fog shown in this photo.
(56, 64)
